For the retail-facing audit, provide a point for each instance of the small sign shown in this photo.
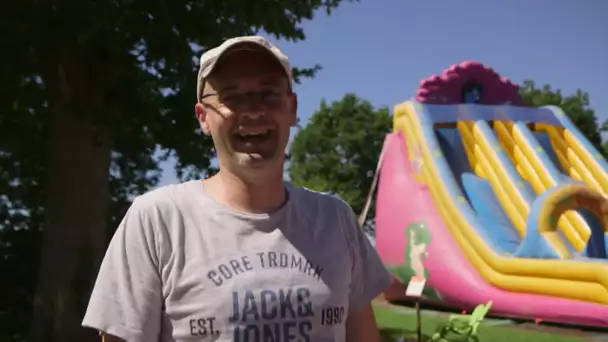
(415, 287)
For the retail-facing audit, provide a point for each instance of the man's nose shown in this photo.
(254, 103)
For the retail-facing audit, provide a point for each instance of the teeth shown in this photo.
(252, 134)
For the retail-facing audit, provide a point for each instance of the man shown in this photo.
(242, 255)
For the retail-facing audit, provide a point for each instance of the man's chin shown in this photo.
(254, 158)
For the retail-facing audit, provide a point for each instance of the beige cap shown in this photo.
(209, 58)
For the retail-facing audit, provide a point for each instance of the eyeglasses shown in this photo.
(269, 98)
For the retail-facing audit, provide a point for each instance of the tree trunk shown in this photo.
(74, 236)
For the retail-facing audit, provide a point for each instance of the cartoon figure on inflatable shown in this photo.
(490, 199)
(418, 238)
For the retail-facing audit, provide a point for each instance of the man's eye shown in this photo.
(269, 94)
(233, 99)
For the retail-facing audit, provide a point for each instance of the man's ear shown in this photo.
(201, 116)
(293, 108)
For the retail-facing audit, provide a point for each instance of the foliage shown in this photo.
(576, 106)
(120, 76)
(337, 151)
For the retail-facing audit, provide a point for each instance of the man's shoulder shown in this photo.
(328, 206)
(163, 197)
(323, 199)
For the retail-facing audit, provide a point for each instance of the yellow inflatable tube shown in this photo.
(579, 163)
(569, 279)
(505, 187)
(526, 170)
(486, 160)
(533, 170)
(576, 229)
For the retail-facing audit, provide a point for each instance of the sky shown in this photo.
(381, 49)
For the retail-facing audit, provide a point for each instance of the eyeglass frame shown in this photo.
(247, 98)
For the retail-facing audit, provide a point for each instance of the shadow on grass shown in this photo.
(393, 335)
(440, 307)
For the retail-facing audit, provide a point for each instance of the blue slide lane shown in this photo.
(596, 247)
(481, 206)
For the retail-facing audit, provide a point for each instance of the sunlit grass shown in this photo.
(395, 324)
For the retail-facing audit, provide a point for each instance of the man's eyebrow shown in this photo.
(227, 88)
(271, 82)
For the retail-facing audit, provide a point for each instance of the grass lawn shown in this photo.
(394, 324)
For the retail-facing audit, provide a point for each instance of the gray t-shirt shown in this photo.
(182, 267)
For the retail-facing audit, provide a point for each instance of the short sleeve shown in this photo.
(369, 275)
(127, 300)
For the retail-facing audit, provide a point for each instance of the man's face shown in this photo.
(248, 109)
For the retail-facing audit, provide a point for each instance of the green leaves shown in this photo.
(576, 106)
(127, 65)
(337, 151)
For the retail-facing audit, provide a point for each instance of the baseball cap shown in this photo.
(210, 58)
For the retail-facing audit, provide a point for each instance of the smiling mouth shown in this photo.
(251, 138)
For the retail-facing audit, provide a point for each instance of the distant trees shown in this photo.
(338, 149)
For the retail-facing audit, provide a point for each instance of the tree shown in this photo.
(338, 150)
(91, 92)
(576, 106)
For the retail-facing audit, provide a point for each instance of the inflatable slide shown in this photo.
(491, 200)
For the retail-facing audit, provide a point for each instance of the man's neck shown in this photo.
(250, 197)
